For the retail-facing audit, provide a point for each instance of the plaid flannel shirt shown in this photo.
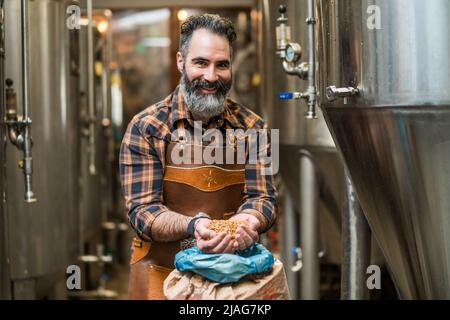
(142, 161)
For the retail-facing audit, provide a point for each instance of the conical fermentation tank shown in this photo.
(384, 77)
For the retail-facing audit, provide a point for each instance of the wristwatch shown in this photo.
(191, 225)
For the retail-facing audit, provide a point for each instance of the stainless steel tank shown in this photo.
(5, 287)
(42, 235)
(393, 131)
(298, 133)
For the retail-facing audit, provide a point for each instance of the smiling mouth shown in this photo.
(204, 90)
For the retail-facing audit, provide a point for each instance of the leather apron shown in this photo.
(216, 189)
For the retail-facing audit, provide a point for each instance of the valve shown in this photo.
(333, 93)
(292, 95)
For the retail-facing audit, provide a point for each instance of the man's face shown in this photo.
(206, 73)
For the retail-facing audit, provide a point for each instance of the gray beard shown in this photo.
(204, 106)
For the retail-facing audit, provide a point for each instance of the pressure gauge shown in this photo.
(293, 52)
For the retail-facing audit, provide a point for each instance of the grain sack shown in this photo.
(271, 285)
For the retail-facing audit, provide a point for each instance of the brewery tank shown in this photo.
(41, 234)
(296, 135)
(384, 74)
(4, 271)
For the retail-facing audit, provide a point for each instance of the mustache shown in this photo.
(218, 85)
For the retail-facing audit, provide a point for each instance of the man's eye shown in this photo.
(223, 65)
(201, 63)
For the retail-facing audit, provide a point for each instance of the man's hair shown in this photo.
(211, 22)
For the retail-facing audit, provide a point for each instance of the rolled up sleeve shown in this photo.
(141, 172)
(260, 193)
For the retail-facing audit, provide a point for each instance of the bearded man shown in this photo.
(170, 204)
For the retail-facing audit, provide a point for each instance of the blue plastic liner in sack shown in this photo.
(225, 267)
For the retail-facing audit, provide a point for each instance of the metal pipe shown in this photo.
(109, 116)
(2, 53)
(309, 227)
(105, 119)
(311, 21)
(20, 131)
(28, 160)
(282, 31)
(289, 241)
(106, 76)
(91, 90)
(289, 68)
(356, 241)
(290, 53)
(108, 48)
(10, 103)
(24, 11)
(15, 137)
(301, 70)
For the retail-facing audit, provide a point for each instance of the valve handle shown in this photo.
(286, 95)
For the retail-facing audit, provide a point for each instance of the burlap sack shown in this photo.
(190, 286)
